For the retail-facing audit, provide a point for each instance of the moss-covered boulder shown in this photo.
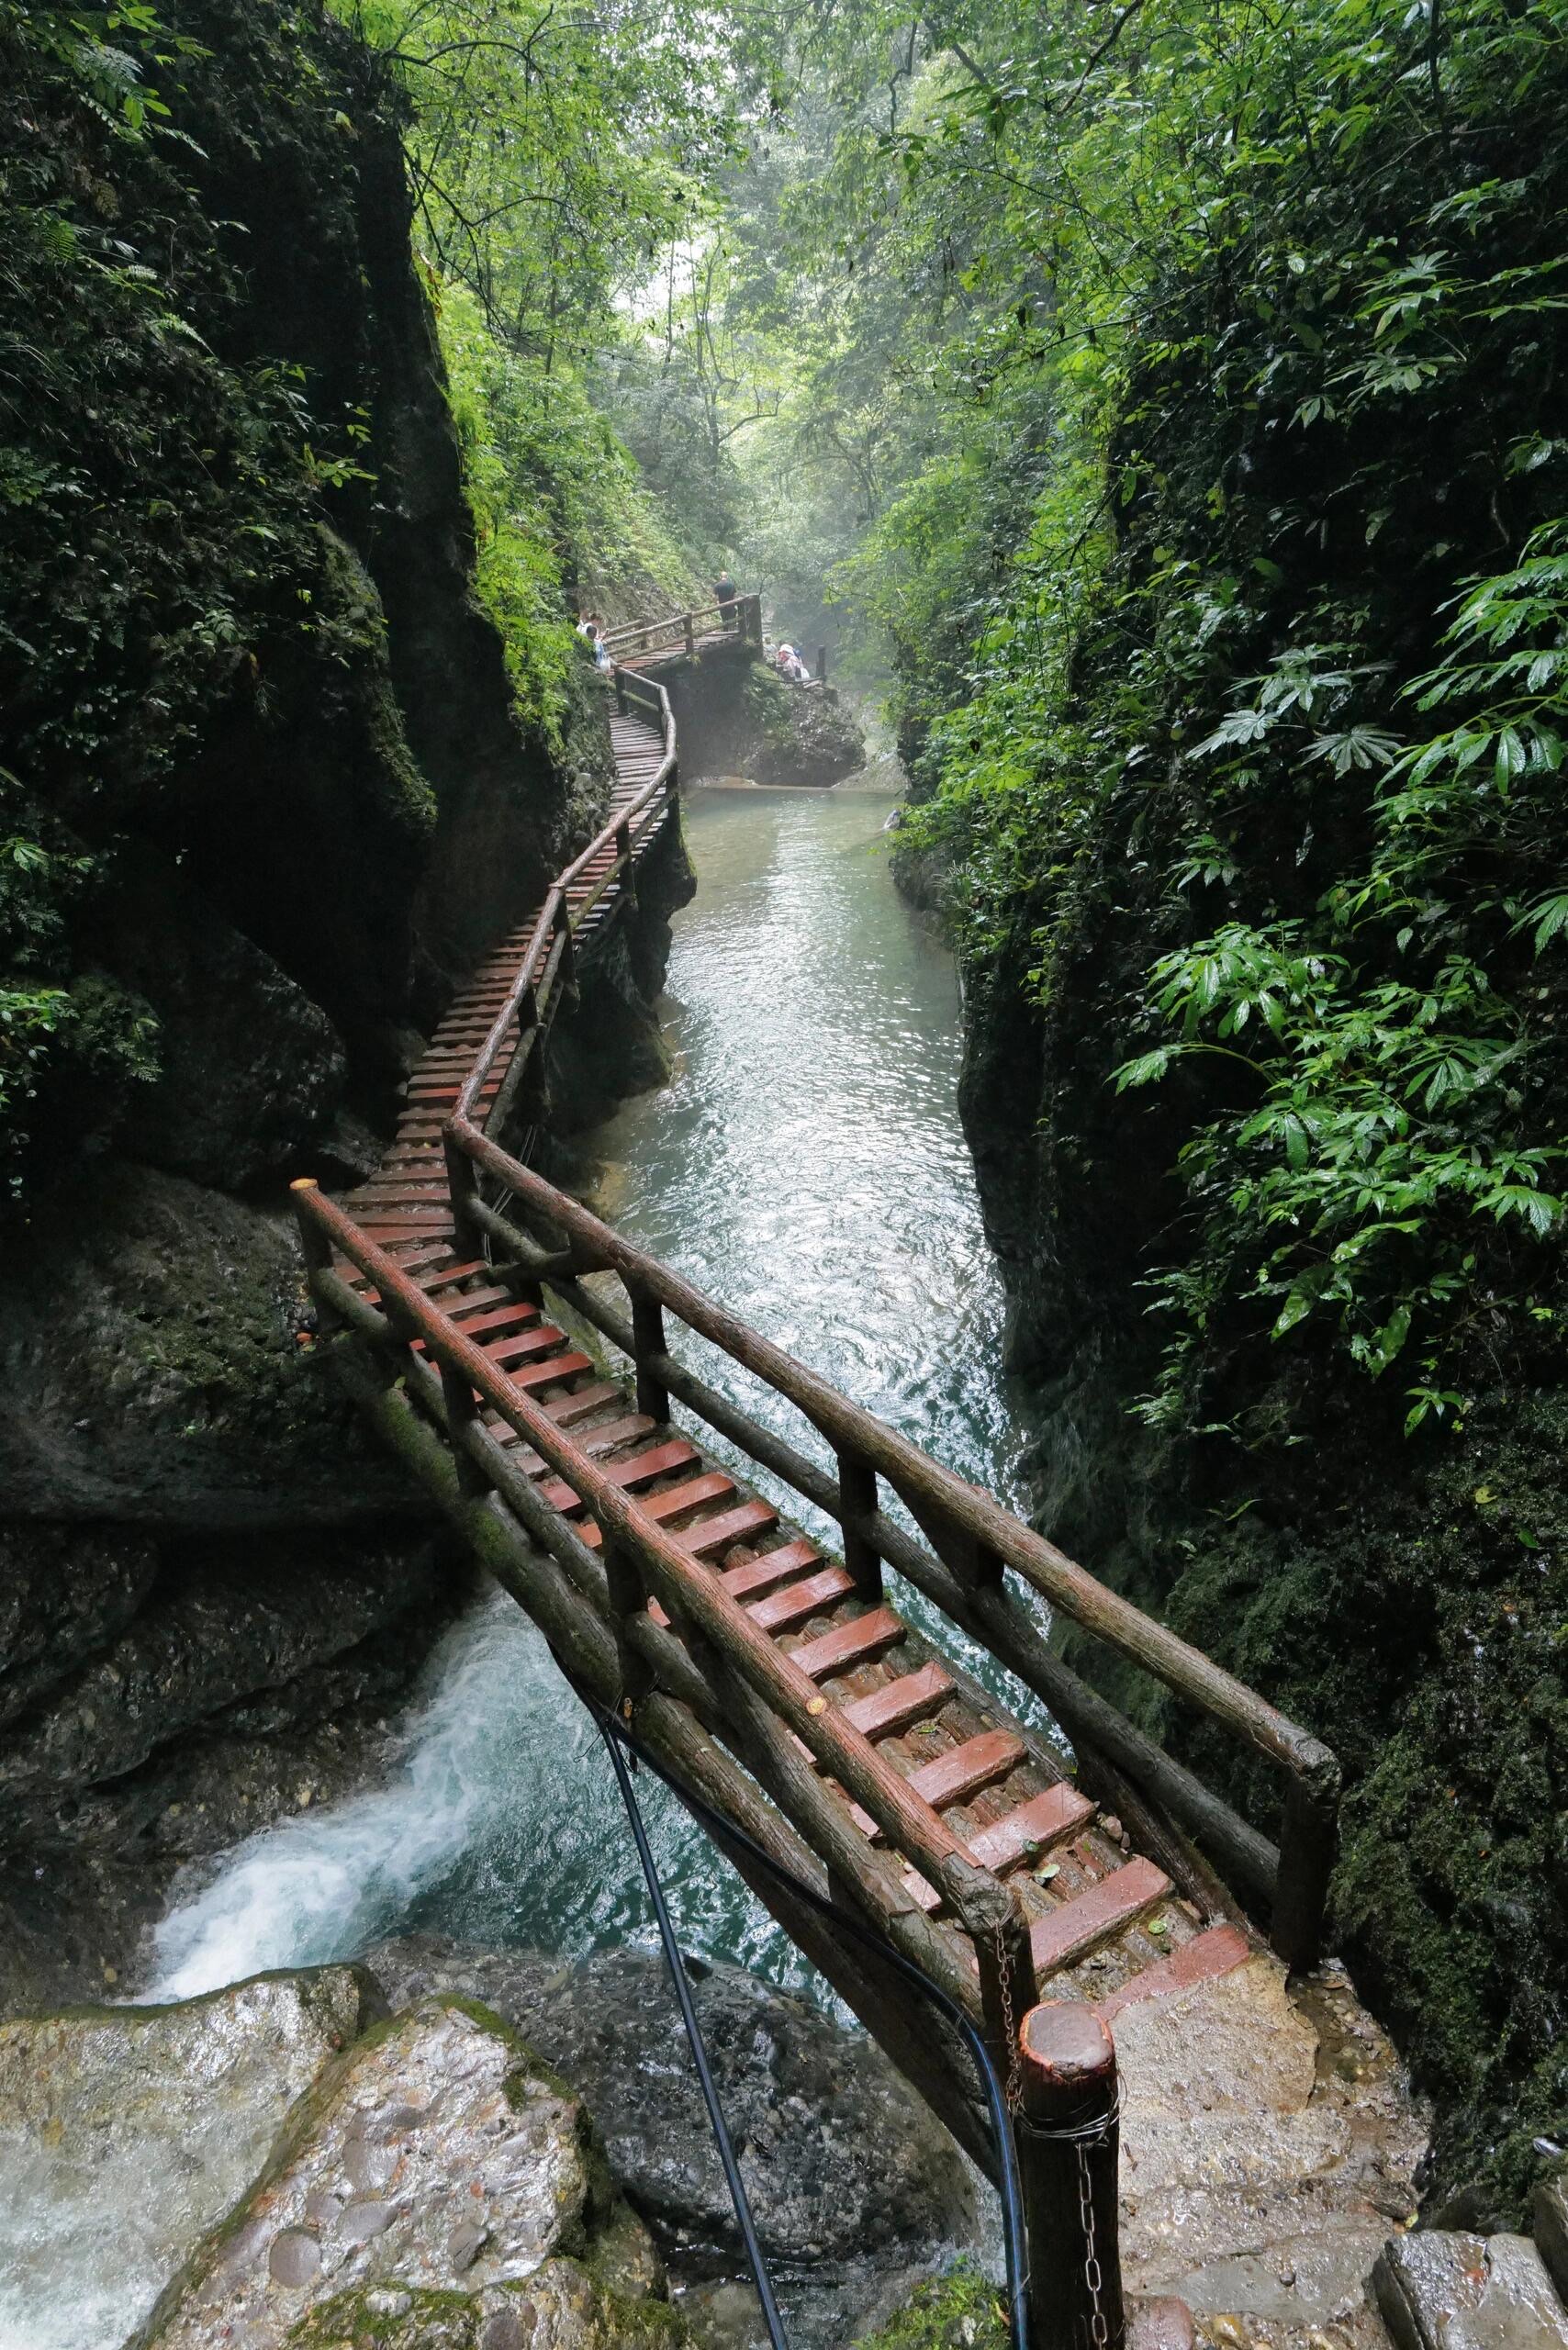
(959, 2312)
(438, 2186)
(737, 716)
(127, 2131)
(564, 2306)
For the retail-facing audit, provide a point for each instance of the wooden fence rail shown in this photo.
(610, 1529)
(974, 1540)
(684, 632)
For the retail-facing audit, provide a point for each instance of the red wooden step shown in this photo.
(601, 1440)
(1218, 1951)
(1080, 1925)
(735, 1525)
(964, 1770)
(500, 1317)
(847, 1644)
(566, 1409)
(901, 1702)
(772, 1567)
(614, 1432)
(660, 1463)
(386, 1236)
(422, 1266)
(379, 1199)
(445, 1276)
(477, 1301)
(712, 1486)
(1044, 1819)
(782, 1610)
(647, 1465)
(540, 1374)
(504, 1352)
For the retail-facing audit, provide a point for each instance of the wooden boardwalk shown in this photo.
(783, 1683)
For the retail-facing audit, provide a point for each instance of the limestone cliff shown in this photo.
(264, 796)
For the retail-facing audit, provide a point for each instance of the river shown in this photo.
(806, 1165)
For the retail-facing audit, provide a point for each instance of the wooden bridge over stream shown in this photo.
(523, 1359)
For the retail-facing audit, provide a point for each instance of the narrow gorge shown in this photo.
(781, 841)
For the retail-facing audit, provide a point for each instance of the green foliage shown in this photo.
(1215, 549)
(563, 516)
(1394, 1114)
(1213, 529)
(553, 157)
(957, 2311)
(129, 475)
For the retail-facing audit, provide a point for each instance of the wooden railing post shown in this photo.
(648, 1339)
(690, 629)
(314, 1245)
(463, 1188)
(1308, 1836)
(628, 1595)
(461, 1409)
(626, 861)
(993, 1917)
(568, 952)
(822, 665)
(857, 1501)
(620, 692)
(1068, 2153)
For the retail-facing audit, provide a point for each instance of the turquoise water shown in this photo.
(806, 1166)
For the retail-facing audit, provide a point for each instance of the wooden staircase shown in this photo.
(780, 1681)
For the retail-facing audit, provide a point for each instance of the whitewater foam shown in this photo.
(322, 1885)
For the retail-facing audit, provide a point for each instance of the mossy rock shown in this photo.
(561, 2307)
(438, 2188)
(957, 2311)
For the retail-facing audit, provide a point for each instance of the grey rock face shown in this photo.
(250, 1068)
(65, 1592)
(151, 1369)
(816, 742)
(232, 1626)
(1548, 2214)
(160, 1701)
(483, 2180)
(1464, 2292)
(841, 2161)
(127, 2131)
(737, 716)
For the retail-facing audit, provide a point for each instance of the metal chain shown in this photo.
(1012, 2083)
(1099, 2330)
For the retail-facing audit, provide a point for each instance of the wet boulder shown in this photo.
(842, 2162)
(438, 2186)
(125, 2133)
(1438, 2291)
(158, 1367)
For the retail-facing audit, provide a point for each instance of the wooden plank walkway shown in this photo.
(1104, 1921)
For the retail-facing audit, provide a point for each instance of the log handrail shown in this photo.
(974, 1542)
(556, 912)
(924, 1486)
(741, 617)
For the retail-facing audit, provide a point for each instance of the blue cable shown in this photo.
(738, 2196)
(1015, 2240)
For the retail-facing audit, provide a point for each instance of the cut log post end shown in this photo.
(1069, 2058)
(1068, 2155)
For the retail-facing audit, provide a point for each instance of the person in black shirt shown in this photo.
(724, 594)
